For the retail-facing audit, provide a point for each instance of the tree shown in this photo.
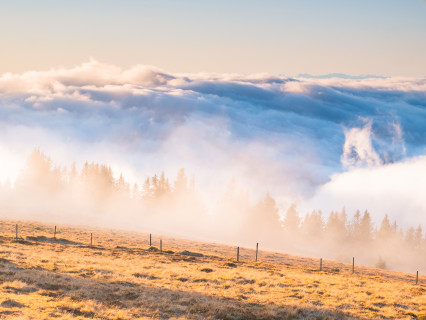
(163, 185)
(336, 226)
(146, 189)
(366, 227)
(291, 220)
(386, 230)
(343, 220)
(154, 184)
(122, 188)
(356, 226)
(181, 182)
(39, 176)
(265, 222)
(409, 237)
(418, 236)
(313, 225)
(270, 210)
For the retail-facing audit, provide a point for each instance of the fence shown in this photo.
(256, 257)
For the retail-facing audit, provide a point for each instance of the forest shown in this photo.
(95, 195)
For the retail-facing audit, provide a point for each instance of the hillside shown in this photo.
(122, 277)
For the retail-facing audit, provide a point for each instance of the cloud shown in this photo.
(288, 136)
(396, 189)
(358, 149)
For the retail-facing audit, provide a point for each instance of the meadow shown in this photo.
(47, 276)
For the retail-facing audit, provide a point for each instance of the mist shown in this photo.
(252, 145)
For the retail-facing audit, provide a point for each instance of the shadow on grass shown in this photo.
(147, 301)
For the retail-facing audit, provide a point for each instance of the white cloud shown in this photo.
(358, 149)
(272, 133)
(397, 189)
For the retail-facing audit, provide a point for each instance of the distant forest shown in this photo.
(95, 189)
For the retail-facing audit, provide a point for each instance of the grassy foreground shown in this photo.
(121, 277)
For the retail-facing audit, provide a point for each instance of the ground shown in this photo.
(122, 277)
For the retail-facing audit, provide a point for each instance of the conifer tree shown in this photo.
(291, 220)
(386, 230)
(418, 236)
(409, 237)
(366, 227)
(356, 226)
(163, 185)
(181, 182)
(146, 189)
(155, 185)
(313, 225)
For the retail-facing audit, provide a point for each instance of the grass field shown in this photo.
(122, 277)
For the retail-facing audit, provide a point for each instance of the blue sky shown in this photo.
(383, 37)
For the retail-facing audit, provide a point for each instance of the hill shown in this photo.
(120, 276)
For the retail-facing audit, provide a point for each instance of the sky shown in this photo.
(358, 37)
(226, 89)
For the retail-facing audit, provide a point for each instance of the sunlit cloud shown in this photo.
(358, 149)
(396, 189)
(293, 137)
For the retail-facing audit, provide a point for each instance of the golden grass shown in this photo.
(119, 278)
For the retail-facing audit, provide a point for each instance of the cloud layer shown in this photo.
(302, 139)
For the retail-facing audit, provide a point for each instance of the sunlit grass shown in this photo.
(119, 278)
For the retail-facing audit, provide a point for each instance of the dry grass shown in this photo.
(119, 278)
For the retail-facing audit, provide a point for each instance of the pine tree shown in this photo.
(181, 182)
(155, 185)
(147, 190)
(265, 221)
(313, 225)
(418, 236)
(386, 229)
(343, 221)
(291, 220)
(366, 227)
(356, 226)
(163, 185)
(39, 176)
(122, 187)
(336, 227)
(409, 238)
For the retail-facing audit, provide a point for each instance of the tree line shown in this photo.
(234, 214)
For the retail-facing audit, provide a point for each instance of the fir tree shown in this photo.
(181, 182)
(146, 189)
(291, 220)
(366, 227)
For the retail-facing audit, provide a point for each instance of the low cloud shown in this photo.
(293, 137)
(358, 149)
(396, 189)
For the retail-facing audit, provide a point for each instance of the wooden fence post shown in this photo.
(16, 231)
(417, 278)
(91, 239)
(257, 249)
(353, 265)
(150, 243)
(321, 264)
(161, 245)
(238, 254)
(54, 234)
